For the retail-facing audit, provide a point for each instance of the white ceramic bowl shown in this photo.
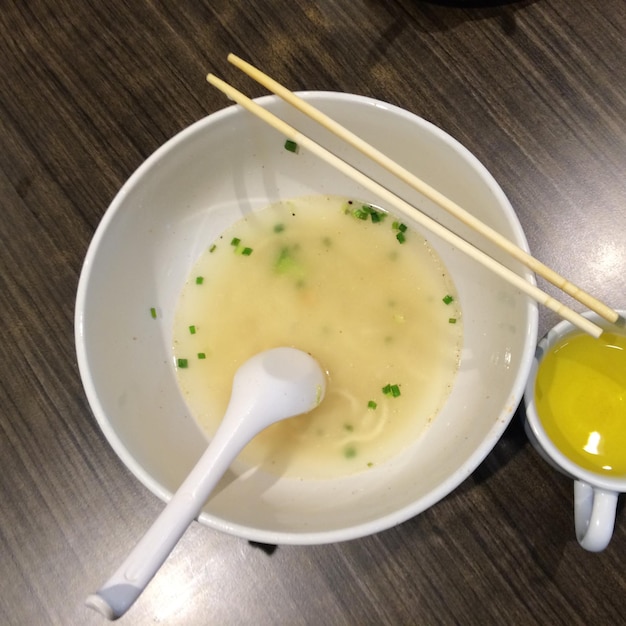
(187, 193)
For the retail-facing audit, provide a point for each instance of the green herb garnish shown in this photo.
(182, 363)
(153, 313)
(192, 329)
(401, 228)
(239, 249)
(391, 390)
(291, 146)
(371, 405)
(201, 355)
(452, 320)
(199, 280)
(364, 211)
(447, 299)
(349, 452)
(288, 264)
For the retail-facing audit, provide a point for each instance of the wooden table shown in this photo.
(536, 89)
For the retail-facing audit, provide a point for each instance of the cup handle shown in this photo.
(594, 515)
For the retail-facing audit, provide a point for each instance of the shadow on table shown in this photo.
(511, 443)
(473, 4)
(431, 16)
(435, 16)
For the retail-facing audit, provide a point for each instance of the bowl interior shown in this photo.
(186, 194)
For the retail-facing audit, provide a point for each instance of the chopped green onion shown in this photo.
(201, 355)
(371, 404)
(212, 248)
(182, 363)
(236, 243)
(278, 228)
(452, 320)
(199, 280)
(401, 228)
(377, 216)
(192, 330)
(370, 464)
(291, 146)
(287, 263)
(365, 211)
(448, 299)
(391, 390)
(349, 452)
(153, 313)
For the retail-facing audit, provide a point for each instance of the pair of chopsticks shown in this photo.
(426, 190)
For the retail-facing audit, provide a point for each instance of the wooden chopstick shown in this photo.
(426, 190)
(406, 209)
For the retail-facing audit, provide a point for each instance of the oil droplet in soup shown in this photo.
(370, 300)
(580, 396)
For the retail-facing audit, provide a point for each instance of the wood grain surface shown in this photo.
(536, 89)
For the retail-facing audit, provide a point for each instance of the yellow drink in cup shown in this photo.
(580, 397)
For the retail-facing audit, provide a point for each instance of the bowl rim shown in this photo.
(353, 531)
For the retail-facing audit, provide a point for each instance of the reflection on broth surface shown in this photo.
(369, 299)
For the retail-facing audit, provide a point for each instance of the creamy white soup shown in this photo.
(351, 285)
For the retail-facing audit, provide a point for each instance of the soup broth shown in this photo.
(580, 395)
(368, 298)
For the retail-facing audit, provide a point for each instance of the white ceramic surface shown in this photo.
(188, 192)
(595, 495)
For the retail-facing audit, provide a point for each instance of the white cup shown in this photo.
(595, 495)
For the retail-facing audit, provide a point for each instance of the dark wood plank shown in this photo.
(537, 90)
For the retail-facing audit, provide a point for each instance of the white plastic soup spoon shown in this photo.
(269, 387)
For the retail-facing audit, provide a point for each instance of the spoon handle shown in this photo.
(271, 386)
(118, 594)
